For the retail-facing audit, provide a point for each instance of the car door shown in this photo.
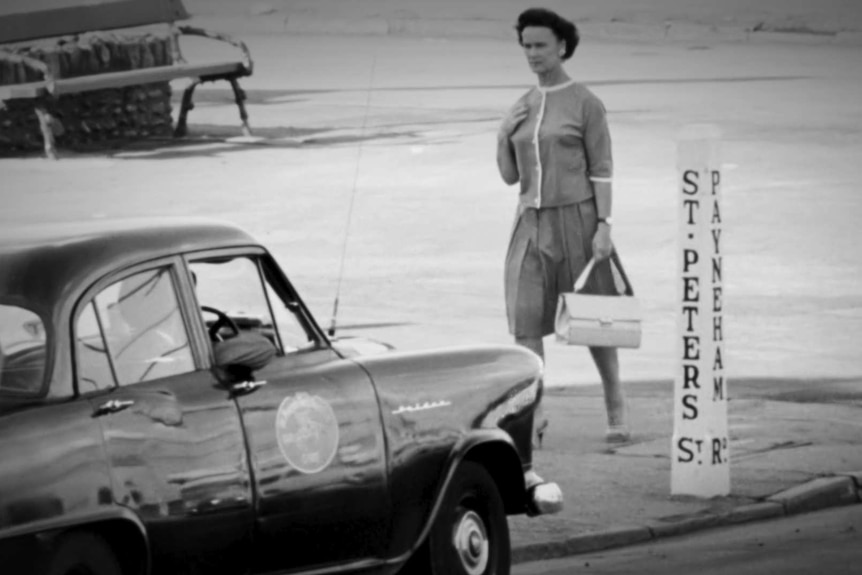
(51, 457)
(311, 418)
(173, 436)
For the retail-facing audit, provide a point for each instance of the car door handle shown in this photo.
(246, 386)
(113, 406)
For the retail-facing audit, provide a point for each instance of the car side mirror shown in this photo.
(247, 352)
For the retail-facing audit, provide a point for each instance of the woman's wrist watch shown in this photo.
(608, 220)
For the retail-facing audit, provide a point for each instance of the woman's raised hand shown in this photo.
(512, 120)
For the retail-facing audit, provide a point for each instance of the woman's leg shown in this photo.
(607, 362)
(540, 422)
(534, 344)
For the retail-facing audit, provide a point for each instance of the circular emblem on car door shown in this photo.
(307, 432)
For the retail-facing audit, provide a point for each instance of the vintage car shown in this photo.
(168, 405)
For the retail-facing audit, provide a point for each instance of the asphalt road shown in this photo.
(824, 542)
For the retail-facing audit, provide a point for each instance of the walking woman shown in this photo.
(555, 142)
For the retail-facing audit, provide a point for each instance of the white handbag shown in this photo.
(599, 320)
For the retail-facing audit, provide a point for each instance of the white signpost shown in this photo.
(700, 455)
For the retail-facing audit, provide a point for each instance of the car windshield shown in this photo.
(22, 350)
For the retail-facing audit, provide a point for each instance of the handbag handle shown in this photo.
(615, 258)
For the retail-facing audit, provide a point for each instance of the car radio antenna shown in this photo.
(332, 324)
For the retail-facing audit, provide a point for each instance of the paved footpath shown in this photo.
(789, 454)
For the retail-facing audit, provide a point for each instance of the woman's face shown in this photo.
(542, 48)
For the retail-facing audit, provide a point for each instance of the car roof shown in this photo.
(41, 263)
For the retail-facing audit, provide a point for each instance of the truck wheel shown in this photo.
(470, 535)
(82, 554)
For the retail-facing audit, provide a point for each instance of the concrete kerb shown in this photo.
(843, 488)
(818, 493)
(856, 476)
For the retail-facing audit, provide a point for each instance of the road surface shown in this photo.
(824, 542)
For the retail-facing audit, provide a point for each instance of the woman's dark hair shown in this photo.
(564, 30)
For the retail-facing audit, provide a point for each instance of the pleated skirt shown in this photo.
(548, 250)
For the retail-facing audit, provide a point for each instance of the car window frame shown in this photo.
(174, 264)
(268, 271)
(50, 350)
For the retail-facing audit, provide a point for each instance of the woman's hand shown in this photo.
(513, 119)
(602, 245)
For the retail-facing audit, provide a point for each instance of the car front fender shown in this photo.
(494, 449)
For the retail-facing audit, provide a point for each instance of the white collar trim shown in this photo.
(565, 84)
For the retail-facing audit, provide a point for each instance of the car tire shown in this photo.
(82, 554)
(470, 535)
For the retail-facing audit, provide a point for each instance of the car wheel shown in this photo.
(82, 554)
(470, 535)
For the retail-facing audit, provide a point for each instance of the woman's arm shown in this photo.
(506, 160)
(597, 144)
(602, 244)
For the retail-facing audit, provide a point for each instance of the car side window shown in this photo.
(236, 287)
(91, 353)
(22, 350)
(137, 320)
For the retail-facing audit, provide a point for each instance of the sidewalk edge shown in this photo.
(838, 489)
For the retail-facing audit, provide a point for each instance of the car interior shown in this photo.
(22, 350)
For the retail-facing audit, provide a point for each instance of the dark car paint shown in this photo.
(178, 459)
(386, 480)
(428, 402)
(298, 507)
(77, 478)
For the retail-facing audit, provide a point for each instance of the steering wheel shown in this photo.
(223, 320)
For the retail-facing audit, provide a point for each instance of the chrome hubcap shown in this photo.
(471, 543)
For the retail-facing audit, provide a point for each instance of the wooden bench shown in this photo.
(113, 15)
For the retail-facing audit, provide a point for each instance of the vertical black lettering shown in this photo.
(690, 375)
(690, 293)
(691, 205)
(689, 258)
(716, 213)
(717, 364)
(687, 455)
(716, 180)
(716, 236)
(689, 311)
(690, 344)
(716, 452)
(689, 403)
(717, 332)
(716, 299)
(689, 180)
(718, 388)
(716, 270)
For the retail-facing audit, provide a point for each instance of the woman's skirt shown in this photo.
(548, 250)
